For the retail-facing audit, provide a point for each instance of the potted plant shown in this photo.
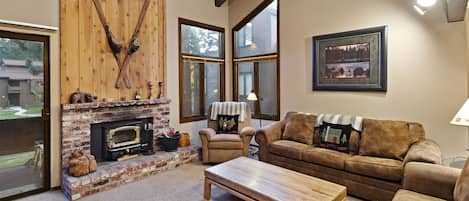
(169, 141)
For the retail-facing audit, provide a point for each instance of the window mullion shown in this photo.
(257, 108)
(202, 88)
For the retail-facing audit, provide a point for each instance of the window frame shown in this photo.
(255, 59)
(202, 60)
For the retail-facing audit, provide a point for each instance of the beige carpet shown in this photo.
(182, 184)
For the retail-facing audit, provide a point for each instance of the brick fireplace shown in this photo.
(78, 122)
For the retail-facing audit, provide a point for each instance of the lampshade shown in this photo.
(462, 117)
(252, 96)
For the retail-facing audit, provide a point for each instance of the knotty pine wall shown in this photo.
(87, 63)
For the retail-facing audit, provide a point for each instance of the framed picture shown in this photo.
(351, 61)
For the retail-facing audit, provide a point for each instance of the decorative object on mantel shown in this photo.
(150, 90)
(184, 140)
(108, 100)
(116, 47)
(351, 61)
(169, 141)
(160, 90)
(138, 96)
(81, 164)
(82, 97)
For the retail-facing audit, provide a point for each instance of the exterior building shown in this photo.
(18, 85)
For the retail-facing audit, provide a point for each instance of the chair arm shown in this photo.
(426, 151)
(246, 136)
(430, 179)
(206, 134)
(247, 132)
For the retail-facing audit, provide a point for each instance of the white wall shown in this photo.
(41, 12)
(427, 63)
(202, 11)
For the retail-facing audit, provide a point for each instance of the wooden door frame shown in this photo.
(46, 109)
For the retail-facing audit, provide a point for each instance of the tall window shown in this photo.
(255, 63)
(201, 68)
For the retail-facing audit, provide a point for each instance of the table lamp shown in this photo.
(252, 96)
(461, 119)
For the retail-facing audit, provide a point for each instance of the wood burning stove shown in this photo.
(118, 140)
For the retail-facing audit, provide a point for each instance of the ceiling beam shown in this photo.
(219, 3)
(456, 10)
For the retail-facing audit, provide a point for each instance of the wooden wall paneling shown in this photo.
(98, 46)
(162, 44)
(84, 46)
(122, 35)
(111, 11)
(69, 48)
(87, 63)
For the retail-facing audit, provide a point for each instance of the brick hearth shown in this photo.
(76, 135)
(118, 173)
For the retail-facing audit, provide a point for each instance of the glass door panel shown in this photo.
(23, 91)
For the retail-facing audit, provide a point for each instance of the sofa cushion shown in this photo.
(382, 168)
(405, 195)
(388, 139)
(299, 127)
(288, 149)
(325, 157)
(461, 190)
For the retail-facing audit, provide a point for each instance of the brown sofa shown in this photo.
(217, 148)
(363, 171)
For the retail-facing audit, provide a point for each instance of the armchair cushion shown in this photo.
(424, 151)
(299, 127)
(430, 179)
(227, 124)
(225, 138)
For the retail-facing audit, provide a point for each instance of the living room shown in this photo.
(136, 99)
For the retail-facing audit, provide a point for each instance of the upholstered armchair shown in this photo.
(218, 148)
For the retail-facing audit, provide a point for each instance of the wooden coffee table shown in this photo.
(250, 179)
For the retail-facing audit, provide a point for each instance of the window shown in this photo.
(201, 68)
(255, 63)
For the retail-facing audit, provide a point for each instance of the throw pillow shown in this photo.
(387, 139)
(227, 124)
(335, 137)
(299, 127)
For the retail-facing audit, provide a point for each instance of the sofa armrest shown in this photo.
(426, 151)
(430, 179)
(267, 135)
(270, 133)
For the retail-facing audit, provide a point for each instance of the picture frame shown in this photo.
(351, 61)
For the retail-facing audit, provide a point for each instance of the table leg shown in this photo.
(207, 190)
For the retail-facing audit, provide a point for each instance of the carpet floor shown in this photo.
(181, 184)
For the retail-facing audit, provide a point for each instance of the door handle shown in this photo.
(45, 115)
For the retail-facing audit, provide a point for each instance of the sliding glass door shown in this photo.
(24, 114)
